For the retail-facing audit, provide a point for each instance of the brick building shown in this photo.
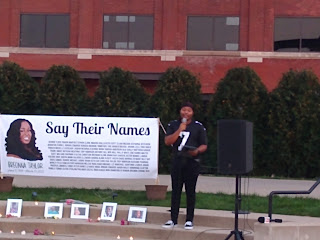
(207, 37)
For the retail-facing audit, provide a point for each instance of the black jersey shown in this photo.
(192, 137)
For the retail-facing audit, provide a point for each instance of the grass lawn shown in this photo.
(299, 206)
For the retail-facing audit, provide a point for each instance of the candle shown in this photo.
(52, 233)
(98, 219)
(36, 203)
(131, 238)
(12, 231)
(23, 232)
(0, 215)
(118, 237)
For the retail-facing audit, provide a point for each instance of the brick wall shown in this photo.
(170, 26)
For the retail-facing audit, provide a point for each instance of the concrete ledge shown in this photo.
(214, 225)
(292, 228)
(72, 229)
(287, 231)
(166, 55)
(209, 224)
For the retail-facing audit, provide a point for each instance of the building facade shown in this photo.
(146, 37)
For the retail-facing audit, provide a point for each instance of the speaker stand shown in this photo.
(237, 234)
(240, 199)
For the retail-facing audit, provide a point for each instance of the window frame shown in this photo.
(44, 43)
(300, 40)
(106, 44)
(214, 19)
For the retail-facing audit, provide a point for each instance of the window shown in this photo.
(128, 32)
(44, 31)
(297, 34)
(213, 33)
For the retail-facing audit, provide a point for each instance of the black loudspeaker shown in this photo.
(234, 146)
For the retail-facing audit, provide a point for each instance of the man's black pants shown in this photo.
(184, 171)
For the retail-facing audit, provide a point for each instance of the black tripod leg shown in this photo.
(230, 235)
(238, 236)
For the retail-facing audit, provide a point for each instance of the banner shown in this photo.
(73, 146)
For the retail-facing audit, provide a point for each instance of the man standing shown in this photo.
(188, 139)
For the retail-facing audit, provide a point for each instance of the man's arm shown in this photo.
(198, 150)
(172, 138)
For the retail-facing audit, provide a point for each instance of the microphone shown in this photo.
(263, 219)
(277, 220)
(183, 120)
(267, 220)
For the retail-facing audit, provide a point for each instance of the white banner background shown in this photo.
(91, 147)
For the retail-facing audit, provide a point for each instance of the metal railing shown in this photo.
(288, 192)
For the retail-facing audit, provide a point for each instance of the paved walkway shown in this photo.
(261, 187)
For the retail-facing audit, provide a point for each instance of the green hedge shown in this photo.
(239, 95)
(294, 129)
(119, 94)
(63, 92)
(286, 128)
(19, 93)
(176, 86)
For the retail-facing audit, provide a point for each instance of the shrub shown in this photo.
(19, 93)
(175, 86)
(294, 126)
(119, 94)
(63, 92)
(239, 95)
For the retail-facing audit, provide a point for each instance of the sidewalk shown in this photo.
(261, 187)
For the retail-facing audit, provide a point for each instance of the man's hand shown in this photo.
(182, 126)
(194, 153)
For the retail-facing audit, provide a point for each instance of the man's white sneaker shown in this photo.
(168, 224)
(188, 225)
